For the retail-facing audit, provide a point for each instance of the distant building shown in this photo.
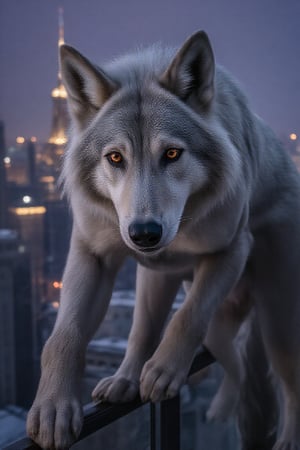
(28, 219)
(17, 377)
(60, 116)
(20, 164)
(7, 324)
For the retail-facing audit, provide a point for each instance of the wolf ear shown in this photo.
(192, 70)
(87, 86)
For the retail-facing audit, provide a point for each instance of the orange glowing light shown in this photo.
(55, 305)
(293, 137)
(47, 179)
(20, 140)
(57, 284)
(28, 210)
(58, 140)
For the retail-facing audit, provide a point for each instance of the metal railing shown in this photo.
(164, 416)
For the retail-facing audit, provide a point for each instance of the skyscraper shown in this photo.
(17, 377)
(59, 95)
(57, 218)
(60, 120)
(28, 220)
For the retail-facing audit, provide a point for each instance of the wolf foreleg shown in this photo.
(55, 418)
(219, 339)
(214, 278)
(155, 293)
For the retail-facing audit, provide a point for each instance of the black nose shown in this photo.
(145, 234)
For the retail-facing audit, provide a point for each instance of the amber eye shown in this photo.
(172, 154)
(115, 158)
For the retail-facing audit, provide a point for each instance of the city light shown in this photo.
(55, 305)
(33, 139)
(57, 284)
(20, 140)
(29, 210)
(293, 137)
(58, 140)
(59, 92)
(27, 199)
(7, 160)
(47, 179)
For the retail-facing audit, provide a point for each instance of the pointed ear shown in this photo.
(87, 86)
(192, 71)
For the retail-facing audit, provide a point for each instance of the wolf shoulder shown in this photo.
(273, 182)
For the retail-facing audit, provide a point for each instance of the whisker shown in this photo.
(185, 218)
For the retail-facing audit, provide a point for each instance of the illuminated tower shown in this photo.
(60, 118)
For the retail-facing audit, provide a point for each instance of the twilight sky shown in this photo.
(257, 40)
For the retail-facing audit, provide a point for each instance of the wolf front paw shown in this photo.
(159, 382)
(55, 425)
(116, 389)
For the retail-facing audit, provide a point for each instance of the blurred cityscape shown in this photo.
(35, 226)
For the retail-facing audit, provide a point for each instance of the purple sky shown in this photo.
(257, 40)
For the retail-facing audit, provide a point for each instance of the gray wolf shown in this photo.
(166, 162)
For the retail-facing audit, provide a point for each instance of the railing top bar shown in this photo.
(203, 359)
(98, 416)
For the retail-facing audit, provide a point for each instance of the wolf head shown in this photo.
(146, 138)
